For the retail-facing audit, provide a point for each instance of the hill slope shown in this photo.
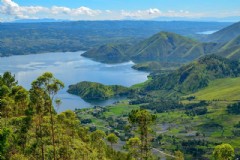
(196, 75)
(231, 49)
(225, 34)
(166, 46)
(220, 89)
(163, 47)
(109, 53)
(96, 91)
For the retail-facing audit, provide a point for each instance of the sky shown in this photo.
(11, 10)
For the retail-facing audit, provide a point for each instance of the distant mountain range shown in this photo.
(38, 20)
(171, 47)
(200, 19)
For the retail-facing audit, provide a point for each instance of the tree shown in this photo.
(143, 119)
(223, 152)
(21, 100)
(179, 155)
(133, 145)
(48, 86)
(112, 138)
(97, 142)
(4, 144)
(8, 79)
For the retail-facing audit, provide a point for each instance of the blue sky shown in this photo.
(116, 9)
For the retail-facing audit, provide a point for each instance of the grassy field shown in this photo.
(226, 89)
(120, 109)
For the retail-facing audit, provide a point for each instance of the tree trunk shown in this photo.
(53, 135)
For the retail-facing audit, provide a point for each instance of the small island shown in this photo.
(97, 91)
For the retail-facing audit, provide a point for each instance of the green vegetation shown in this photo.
(110, 53)
(185, 123)
(223, 152)
(143, 119)
(97, 91)
(196, 75)
(154, 66)
(191, 115)
(194, 134)
(161, 47)
(225, 89)
(231, 49)
(31, 129)
(167, 47)
(148, 66)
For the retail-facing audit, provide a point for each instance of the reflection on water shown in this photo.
(71, 68)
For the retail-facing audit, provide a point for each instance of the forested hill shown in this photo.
(97, 91)
(196, 75)
(109, 53)
(169, 47)
(30, 38)
(162, 47)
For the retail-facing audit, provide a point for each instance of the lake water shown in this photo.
(71, 67)
(207, 32)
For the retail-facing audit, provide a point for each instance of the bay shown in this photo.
(71, 68)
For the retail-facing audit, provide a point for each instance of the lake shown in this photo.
(71, 67)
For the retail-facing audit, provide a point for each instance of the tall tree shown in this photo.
(143, 119)
(49, 86)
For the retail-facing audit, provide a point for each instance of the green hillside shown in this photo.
(226, 34)
(96, 91)
(166, 46)
(148, 66)
(195, 75)
(231, 49)
(221, 89)
(109, 53)
(163, 47)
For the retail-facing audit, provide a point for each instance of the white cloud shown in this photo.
(108, 11)
(60, 10)
(85, 11)
(10, 8)
(142, 14)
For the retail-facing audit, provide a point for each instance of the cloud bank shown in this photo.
(10, 10)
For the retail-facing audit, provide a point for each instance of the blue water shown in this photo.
(71, 67)
(207, 32)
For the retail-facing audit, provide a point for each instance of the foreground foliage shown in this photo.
(31, 129)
